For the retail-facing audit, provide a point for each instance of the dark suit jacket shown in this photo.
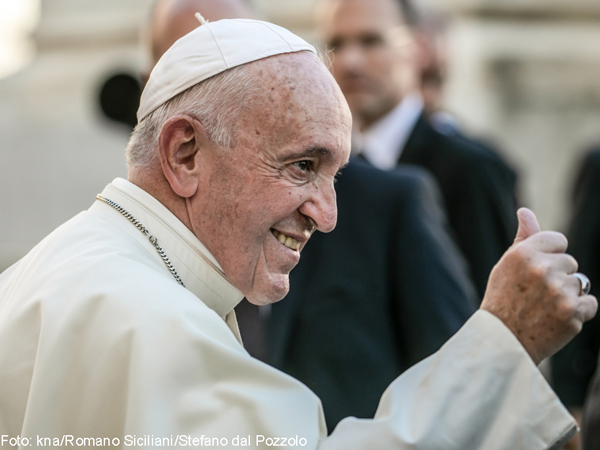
(478, 190)
(382, 291)
(574, 366)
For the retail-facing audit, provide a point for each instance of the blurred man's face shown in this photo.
(373, 54)
(259, 203)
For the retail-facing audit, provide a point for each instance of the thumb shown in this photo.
(528, 224)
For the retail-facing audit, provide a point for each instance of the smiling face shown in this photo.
(374, 56)
(258, 203)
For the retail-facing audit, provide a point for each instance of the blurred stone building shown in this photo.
(527, 74)
(56, 152)
(524, 72)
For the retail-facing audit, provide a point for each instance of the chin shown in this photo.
(271, 293)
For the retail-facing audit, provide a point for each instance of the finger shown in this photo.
(563, 263)
(528, 224)
(548, 242)
(587, 306)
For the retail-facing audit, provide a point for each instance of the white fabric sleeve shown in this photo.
(480, 391)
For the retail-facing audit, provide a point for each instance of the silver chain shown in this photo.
(143, 229)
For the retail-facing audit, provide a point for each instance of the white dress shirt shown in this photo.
(382, 143)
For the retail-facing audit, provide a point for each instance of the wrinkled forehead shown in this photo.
(343, 17)
(295, 79)
(299, 86)
(299, 107)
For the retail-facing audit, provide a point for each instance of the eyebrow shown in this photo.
(310, 151)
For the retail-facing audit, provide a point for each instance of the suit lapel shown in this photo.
(413, 152)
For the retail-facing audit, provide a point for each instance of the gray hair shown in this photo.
(217, 102)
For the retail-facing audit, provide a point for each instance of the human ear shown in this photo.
(180, 142)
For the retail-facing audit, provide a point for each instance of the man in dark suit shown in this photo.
(382, 291)
(478, 191)
(375, 63)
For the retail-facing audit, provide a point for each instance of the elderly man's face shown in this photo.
(374, 56)
(260, 202)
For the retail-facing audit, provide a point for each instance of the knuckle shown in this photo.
(562, 240)
(555, 289)
(552, 239)
(539, 272)
(557, 237)
(565, 311)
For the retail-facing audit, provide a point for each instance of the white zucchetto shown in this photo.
(211, 49)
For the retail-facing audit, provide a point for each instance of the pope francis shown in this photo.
(117, 329)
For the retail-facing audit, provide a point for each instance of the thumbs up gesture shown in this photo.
(533, 291)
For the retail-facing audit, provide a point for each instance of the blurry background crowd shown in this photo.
(523, 76)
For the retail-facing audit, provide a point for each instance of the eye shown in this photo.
(304, 165)
(371, 40)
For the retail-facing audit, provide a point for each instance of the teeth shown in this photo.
(286, 240)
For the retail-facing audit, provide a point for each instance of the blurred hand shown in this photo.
(532, 290)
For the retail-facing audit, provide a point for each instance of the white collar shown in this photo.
(197, 268)
(382, 143)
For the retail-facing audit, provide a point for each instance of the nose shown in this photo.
(321, 208)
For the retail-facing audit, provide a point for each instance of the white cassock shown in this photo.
(97, 340)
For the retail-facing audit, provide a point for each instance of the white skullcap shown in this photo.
(211, 49)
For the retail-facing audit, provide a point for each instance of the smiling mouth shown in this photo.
(289, 242)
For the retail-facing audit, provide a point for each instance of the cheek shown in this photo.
(285, 199)
(280, 205)
(253, 212)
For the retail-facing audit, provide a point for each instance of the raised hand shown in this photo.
(533, 291)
